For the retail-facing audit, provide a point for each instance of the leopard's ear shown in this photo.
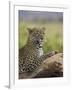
(43, 28)
(30, 30)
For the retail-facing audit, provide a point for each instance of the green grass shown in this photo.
(53, 36)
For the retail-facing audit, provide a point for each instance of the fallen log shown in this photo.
(51, 67)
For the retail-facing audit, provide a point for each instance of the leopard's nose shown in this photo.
(37, 42)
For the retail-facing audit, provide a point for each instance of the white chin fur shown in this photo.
(40, 51)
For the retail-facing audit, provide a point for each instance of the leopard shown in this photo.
(32, 54)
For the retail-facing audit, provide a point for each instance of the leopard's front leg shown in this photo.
(45, 56)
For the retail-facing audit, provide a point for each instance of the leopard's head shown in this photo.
(36, 36)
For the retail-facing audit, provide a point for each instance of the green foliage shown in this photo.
(53, 36)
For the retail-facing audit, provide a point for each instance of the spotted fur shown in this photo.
(31, 55)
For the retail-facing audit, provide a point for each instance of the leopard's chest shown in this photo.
(35, 53)
(40, 52)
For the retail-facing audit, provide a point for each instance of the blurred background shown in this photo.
(52, 21)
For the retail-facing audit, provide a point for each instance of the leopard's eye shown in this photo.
(41, 38)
